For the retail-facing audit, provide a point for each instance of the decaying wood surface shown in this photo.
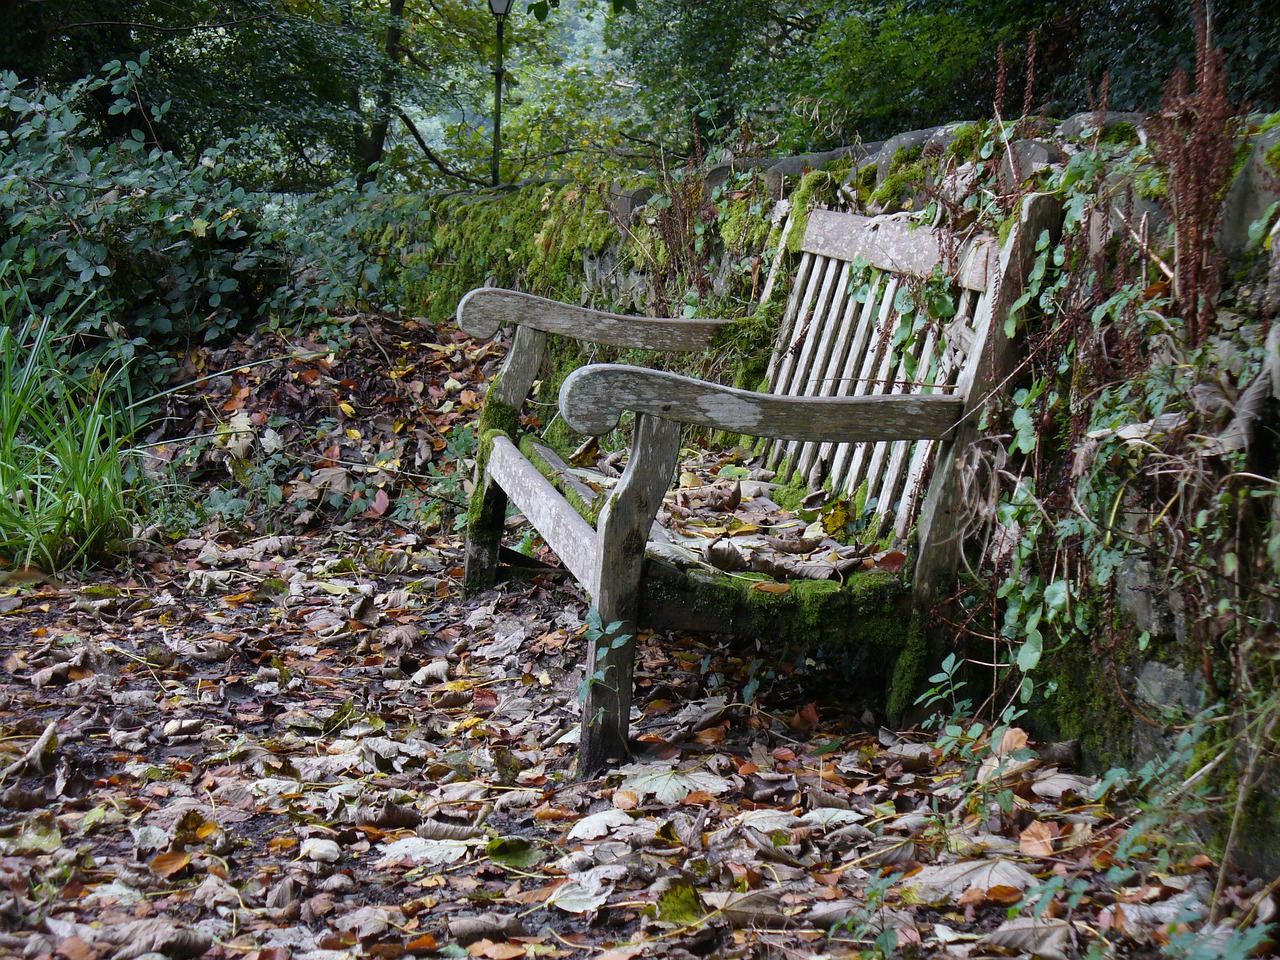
(940, 527)
(849, 403)
(898, 246)
(624, 531)
(594, 397)
(571, 537)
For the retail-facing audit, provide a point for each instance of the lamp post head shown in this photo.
(500, 8)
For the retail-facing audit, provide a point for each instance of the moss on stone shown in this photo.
(964, 142)
(1084, 706)
(1272, 158)
(1122, 134)
(795, 488)
(1269, 122)
(907, 674)
(908, 170)
(864, 183)
(816, 186)
(743, 226)
(863, 622)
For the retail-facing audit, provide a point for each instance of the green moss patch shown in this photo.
(589, 511)
(863, 623)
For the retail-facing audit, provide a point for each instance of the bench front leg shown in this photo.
(486, 516)
(501, 412)
(623, 534)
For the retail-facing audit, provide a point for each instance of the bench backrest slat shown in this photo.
(837, 339)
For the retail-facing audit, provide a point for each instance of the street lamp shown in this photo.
(500, 10)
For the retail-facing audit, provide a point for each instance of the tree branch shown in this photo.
(156, 28)
(434, 158)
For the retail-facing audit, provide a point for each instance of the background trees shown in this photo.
(331, 88)
(821, 72)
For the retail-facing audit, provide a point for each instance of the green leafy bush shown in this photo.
(166, 253)
(169, 254)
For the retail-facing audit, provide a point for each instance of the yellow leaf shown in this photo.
(771, 586)
(347, 408)
(353, 434)
(167, 864)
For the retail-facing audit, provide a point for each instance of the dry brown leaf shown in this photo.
(167, 864)
(806, 718)
(1037, 839)
(1014, 738)
(699, 798)
(1028, 936)
(73, 948)
(626, 799)
(496, 951)
(892, 561)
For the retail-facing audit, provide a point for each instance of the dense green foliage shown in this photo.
(140, 254)
(328, 88)
(826, 72)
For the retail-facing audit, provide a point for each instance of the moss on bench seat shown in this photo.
(864, 621)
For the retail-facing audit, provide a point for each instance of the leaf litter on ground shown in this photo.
(294, 739)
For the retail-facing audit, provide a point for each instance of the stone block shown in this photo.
(1255, 188)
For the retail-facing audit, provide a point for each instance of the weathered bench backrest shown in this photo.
(855, 277)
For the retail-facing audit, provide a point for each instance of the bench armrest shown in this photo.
(482, 311)
(593, 398)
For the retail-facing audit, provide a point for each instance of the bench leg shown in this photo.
(623, 533)
(484, 536)
(606, 709)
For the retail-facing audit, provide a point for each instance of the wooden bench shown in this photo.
(847, 407)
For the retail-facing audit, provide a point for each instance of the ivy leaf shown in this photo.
(1029, 654)
(514, 852)
(1055, 595)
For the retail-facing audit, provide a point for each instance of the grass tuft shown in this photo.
(63, 496)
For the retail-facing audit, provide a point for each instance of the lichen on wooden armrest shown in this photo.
(594, 397)
(482, 311)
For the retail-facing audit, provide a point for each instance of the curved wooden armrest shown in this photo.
(594, 397)
(482, 311)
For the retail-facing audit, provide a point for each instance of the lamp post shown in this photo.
(500, 10)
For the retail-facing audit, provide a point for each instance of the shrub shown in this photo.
(166, 253)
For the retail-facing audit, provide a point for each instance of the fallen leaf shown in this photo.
(943, 884)
(1032, 937)
(671, 786)
(806, 718)
(626, 799)
(1037, 839)
(496, 951)
(599, 824)
(771, 586)
(167, 864)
